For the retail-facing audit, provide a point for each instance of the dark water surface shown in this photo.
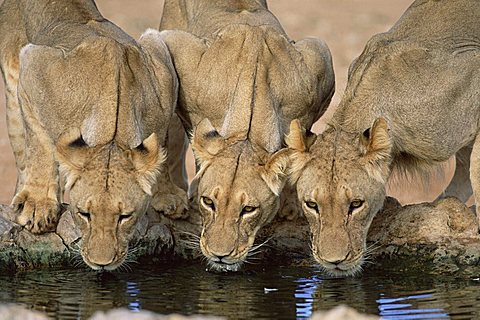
(262, 293)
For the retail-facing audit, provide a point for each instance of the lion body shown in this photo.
(242, 81)
(420, 86)
(89, 107)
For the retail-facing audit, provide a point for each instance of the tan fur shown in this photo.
(378, 148)
(412, 99)
(94, 107)
(242, 81)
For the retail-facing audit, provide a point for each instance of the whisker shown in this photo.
(374, 246)
(253, 248)
(251, 254)
(190, 234)
(190, 244)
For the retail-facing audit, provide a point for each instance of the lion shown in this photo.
(412, 100)
(242, 81)
(87, 110)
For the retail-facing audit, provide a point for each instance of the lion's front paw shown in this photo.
(171, 204)
(290, 210)
(36, 214)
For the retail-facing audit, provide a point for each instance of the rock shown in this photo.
(120, 314)
(27, 251)
(141, 229)
(443, 221)
(185, 235)
(8, 230)
(443, 232)
(18, 312)
(341, 312)
(67, 230)
(20, 249)
(7, 212)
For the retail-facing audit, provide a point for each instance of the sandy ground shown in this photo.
(346, 25)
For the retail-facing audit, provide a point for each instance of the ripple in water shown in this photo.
(265, 292)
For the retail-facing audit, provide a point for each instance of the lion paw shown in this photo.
(36, 214)
(172, 205)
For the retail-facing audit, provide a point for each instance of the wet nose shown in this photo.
(101, 261)
(337, 260)
(220, 256)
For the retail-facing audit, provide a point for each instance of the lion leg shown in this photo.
(475, 175)
(37, 202)
(15, 125)
(170, 196)
(460, 185)
(169, 199)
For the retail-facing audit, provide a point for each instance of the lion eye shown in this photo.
(312, 205)
(248, 209)
(125, 217)
(84, 215)
(208, 202)
(355, 204)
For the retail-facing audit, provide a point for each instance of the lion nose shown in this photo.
(102, 266)
(338, 260)
(101, 258)
(221, 256)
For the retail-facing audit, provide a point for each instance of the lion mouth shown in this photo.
(345, 269)
(109, 267)
(118, 262)
(223, 267)
(340, 271)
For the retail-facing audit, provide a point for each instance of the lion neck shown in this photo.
(204, 18)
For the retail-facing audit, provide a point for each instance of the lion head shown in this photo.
(109, 188)
(340, 179)
(237, 189)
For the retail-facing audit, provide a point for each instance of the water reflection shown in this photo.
(133, 292)
(390, 309)
(265, 292)
(394, 295)
(304, 294)
(318, 293)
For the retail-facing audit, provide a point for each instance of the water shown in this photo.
(265, 292)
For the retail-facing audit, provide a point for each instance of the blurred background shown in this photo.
(346, 26)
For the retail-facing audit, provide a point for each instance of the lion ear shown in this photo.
(376, 145)
(299, 140)
(206, 142)
(147, 159)
(72, 154)
(275, 170)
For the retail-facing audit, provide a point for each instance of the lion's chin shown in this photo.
(224, 267)
(341, 273)
(342, 270)
(109, 267)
